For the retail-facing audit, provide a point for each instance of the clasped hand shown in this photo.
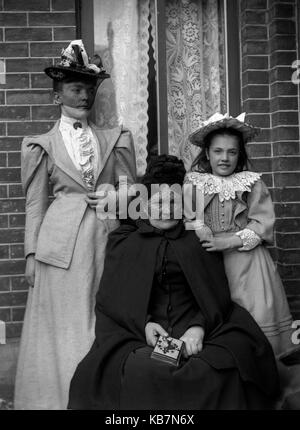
(222, 243)
(192, 338)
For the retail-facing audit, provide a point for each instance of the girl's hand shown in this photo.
(30, 269)
(222, 244)
(152, 331)
(193, 339)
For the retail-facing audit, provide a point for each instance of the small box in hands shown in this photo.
(168, 350)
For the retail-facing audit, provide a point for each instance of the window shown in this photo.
(167, 60)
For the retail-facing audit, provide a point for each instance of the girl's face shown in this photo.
(76, 98)
(223, 154)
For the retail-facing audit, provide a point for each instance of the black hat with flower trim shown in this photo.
(75, 63)
(219, 121)
(164, 169)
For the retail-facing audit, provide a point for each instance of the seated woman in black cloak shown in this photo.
(158, 279)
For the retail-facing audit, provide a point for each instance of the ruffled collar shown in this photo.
(145, 228)
(225, 186)
(67, 122)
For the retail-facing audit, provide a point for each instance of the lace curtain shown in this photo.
(121, 31)
(196, 70)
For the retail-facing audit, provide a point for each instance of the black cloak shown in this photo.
(231, 334)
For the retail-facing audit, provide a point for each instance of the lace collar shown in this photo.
(225, 186)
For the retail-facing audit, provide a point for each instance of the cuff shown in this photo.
(249, 238)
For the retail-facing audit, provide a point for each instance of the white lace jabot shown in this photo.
(225, 186)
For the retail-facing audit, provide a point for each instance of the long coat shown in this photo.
(121, 314)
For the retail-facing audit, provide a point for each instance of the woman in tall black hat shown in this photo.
(158, 280)
(65, 243)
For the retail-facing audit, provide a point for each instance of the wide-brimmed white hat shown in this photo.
(218, 121)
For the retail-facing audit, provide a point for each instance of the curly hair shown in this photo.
(201, 162)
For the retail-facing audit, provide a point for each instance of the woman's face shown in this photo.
(76, 98)
(223, 154)
(164, 208)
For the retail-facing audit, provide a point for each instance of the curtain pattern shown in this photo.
(196, 71)
(121, 38)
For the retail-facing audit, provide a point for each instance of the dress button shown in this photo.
(169, 308)
(222, 221)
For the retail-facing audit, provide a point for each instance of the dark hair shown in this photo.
(201, 162)
(57, 85)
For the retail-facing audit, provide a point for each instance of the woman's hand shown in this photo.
(152, 331)
(30, 269)
(92, 200)
(222, 243)
(193, 339)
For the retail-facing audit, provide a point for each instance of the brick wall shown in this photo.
(269, 31)
(32, 33)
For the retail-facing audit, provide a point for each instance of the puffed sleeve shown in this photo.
(261, 216)
(35, 184)
(125, 164)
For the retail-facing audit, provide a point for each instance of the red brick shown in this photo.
(18, 81)
(287, 195)
(13, 113)
(16, 221)
(284, 103)
(254, 4)
(46, 49)
(3, 221)
(12, 236)
(52, 19)
(255, 77)
(13, 330)
(258, 150)
(4, 252)
(292, 287)
(26, 5)
(287, 179)
(5, 314)
(10, 143)
(41, 80)
(257, 106)
(18, 314)
(9, 175)
(14, 50)
(285, 148)
(289, 271)
(28, 65)
(2, 129)
(259, 120)
(262, 164)
(12, 205)
(3, 160)
(255, 92)
(13, 299)
(15, 191)
(35, 33)
(255, 62)
(51, 112)
(65, 33)
(19, 283)
(17, 251)
(3, 191)
(282, 42)
(281, 74)
(14, 159)
(287, 210)
(282, 58)
(65, 5)
(4, 284)
(254, 32)
(290, 225)
(255, 48)
(282, 11)
(24, 97)
(11, 267)
(282, 26)
(1, 35)
(285, 133)
(286, 164)
(13, 20)
(283, 88)
(28, 128)
(254, 17)
(285, 118)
